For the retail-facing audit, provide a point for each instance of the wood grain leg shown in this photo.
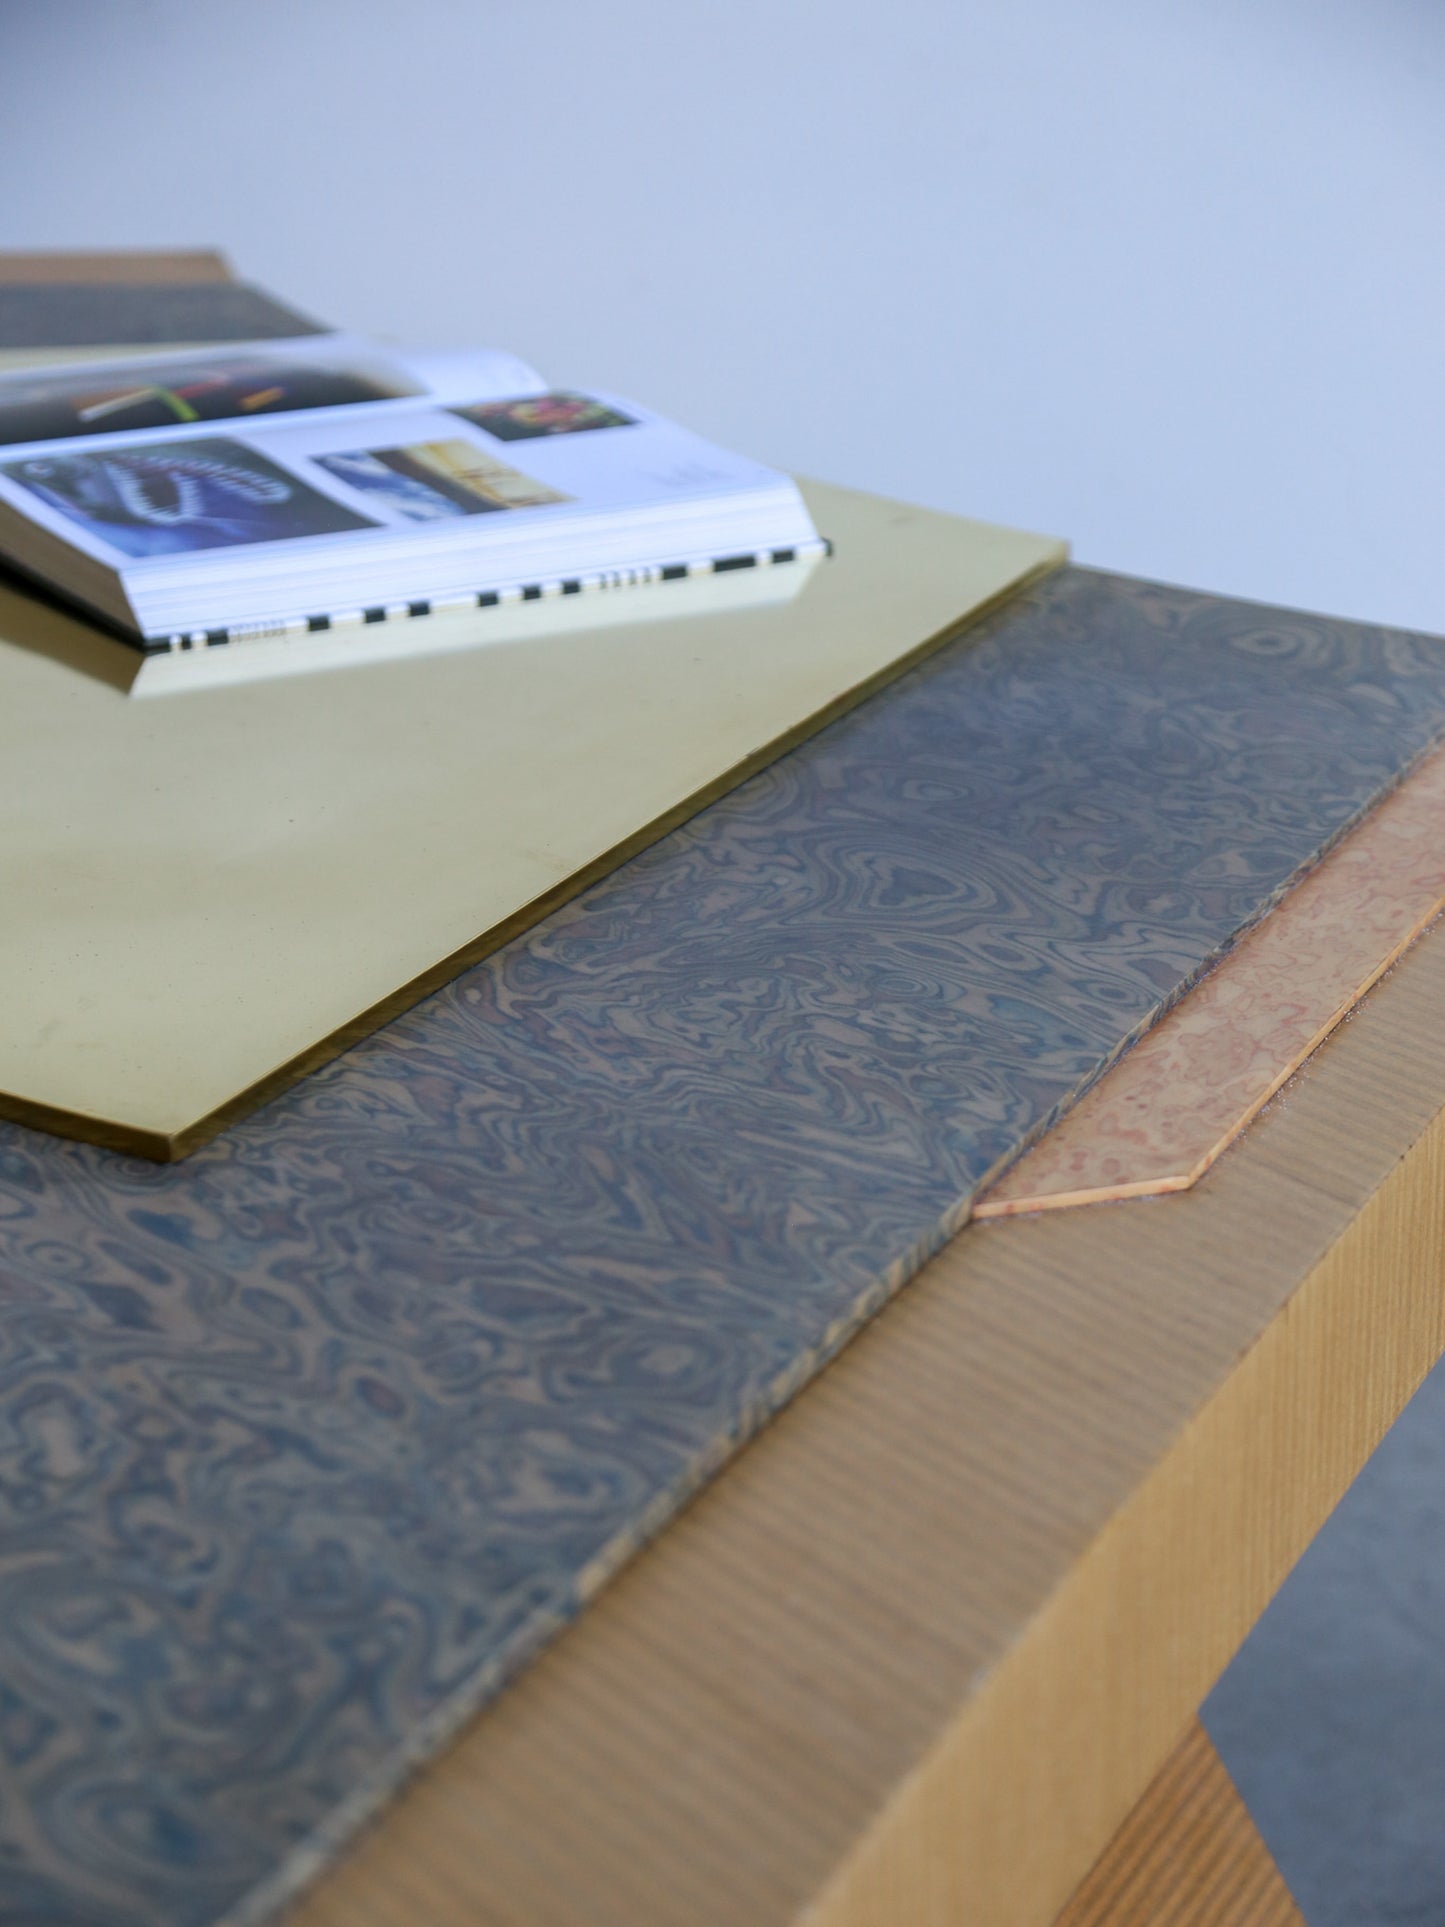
(1188, 1856)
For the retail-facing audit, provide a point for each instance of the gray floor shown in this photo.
(1332, 1718)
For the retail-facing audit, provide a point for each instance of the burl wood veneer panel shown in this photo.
(84, 306)
(319, 1435)
(920, 1652)
(1162, 1115)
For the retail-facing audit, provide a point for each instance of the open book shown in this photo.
(271, 492)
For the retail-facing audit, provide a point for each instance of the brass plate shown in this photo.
(208, 894)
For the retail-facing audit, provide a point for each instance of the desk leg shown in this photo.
(1187, 1856)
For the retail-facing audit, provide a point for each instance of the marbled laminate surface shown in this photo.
(1171, 1105)
(306, 1442)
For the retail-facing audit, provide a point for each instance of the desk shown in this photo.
(918, 1652)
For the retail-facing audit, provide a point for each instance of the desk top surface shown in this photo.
(317, 1435)
(916, 1652)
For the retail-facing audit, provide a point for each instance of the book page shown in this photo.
(247, 381)
(398, 465)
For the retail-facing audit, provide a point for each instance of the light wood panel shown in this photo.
(917, 1654)
(129, 267)
(1188, 1856)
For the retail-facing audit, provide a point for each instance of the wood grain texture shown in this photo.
(785, 1729)
(125, 267)
(376, 1391)
(920, 1651)
(490, 1297)
(1162, 1115)
(49, 321)
(1188, 1856)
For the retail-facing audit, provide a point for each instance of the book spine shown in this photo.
(483, 599)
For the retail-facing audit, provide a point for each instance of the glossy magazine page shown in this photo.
(277, 488)
(242, 381)
(270, 521)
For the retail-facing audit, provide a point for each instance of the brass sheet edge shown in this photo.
(169, 1148)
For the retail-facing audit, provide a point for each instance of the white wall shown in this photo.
(1166, 278)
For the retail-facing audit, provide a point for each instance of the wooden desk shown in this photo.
(916, 1655)
(920, 1652)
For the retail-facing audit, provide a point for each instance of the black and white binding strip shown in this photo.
(483, 599)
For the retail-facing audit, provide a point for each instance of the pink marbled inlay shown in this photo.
(1161, 1117)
